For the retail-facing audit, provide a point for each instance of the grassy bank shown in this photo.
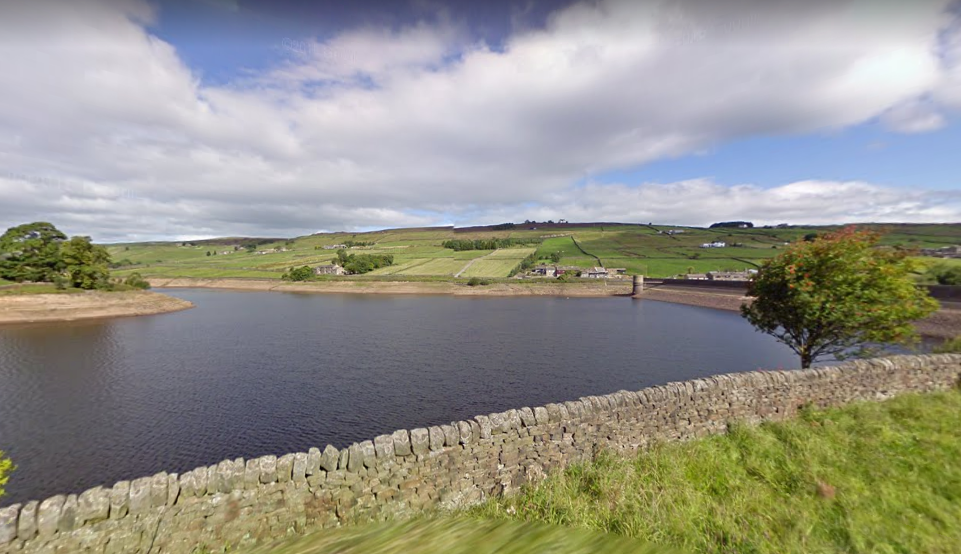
(867, 478)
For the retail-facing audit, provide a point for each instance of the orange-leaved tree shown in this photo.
(838, 294)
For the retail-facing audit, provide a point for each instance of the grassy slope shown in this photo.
(874, 477)
(460, 536)
(418, 252)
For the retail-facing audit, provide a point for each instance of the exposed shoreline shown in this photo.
(38, 308)
(943, 324)
(595, 288)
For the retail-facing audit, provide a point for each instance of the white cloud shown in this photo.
(414, 125)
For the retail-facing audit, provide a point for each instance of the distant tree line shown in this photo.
(734, 224)
(459, 245)
(503, 226)
(38, 252)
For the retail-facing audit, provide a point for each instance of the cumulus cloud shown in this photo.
(108, 132)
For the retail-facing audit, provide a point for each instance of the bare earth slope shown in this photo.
(90, 305)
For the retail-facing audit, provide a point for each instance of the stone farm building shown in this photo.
(943, 252)
(329, 269)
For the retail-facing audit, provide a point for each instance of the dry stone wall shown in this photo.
(242, 502)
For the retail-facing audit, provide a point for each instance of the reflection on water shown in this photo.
(248, 374)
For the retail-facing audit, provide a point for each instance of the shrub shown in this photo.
(477, 281)
(136, 281)
(949, 346)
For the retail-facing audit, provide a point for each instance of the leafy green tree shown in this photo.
(86, 264)
(31, 252)
(555, 257)
(6, 466)
(302, 273)
(837, 293)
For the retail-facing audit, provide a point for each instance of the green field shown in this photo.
(641, 249)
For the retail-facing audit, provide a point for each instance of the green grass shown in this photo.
(458, 536)
(869, 478)
(638, 248)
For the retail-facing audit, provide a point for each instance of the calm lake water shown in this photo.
(248, 374)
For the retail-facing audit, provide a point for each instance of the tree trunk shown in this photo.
(805, 358)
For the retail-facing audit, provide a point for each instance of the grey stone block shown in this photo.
(68, 515)
(120, 500)
(27, 523)
(268, 469)
(313, 461)
(464, 432)
(367, 450)
(94, 506)
(140, 496)
(328, 461)
(298, 473)
(251, 474)
(450, 434)
(527, 417)
(541, 416)
(499, 423)
(419, 441)
(401, 443)
(8, 523)
(355, 458)
(436, 438)
(484, 423)
(285, 467)
(158, 490)
(384, 447)
(173, 488)
(48, 516)
(344, 459)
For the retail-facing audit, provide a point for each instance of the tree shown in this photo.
(302, 273)
(6, 466)
(31, 252)
(836, 294)
(86, 264)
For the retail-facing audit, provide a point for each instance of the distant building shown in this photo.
(696, 277)
(329, 269)
(715, 244)
(943, 252)
(674, 231)
(545, 271)
(335, 247)
(595, 273)
(729, 276)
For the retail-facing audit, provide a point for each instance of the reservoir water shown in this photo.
(246, 374)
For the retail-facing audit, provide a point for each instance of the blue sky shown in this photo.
(137, 119)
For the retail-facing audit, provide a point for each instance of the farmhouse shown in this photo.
(335, 247)
(696, 277)
(329, 269)
(715, 244)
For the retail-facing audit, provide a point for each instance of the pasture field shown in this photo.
(640, 248)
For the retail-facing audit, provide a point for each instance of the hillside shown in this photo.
(419, 254)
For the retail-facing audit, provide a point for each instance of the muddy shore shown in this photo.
(944, 324)
(34, 308)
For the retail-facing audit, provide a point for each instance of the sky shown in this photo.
(132, 120)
